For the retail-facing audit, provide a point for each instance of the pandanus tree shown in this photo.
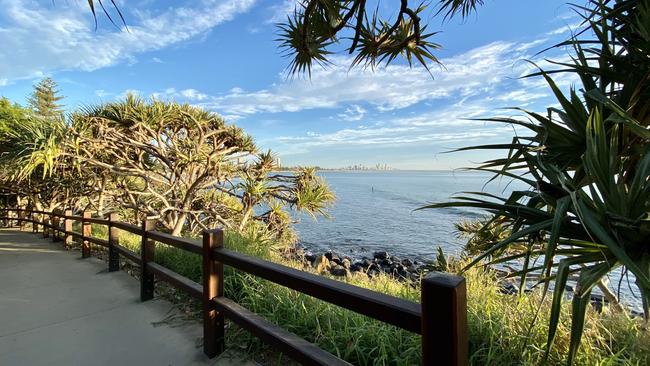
(181, 164)
(586, 168)
(30, 157)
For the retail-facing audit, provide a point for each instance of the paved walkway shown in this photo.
(57, 309)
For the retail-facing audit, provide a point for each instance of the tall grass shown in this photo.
(504, 329)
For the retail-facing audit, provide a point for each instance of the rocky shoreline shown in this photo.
(403, 269)
(345, 266)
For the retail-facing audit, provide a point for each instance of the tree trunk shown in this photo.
(247, 214)
(609, 296)
(180, 223)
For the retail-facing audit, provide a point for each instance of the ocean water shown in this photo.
(377, 210)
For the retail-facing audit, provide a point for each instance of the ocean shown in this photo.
(378, 210)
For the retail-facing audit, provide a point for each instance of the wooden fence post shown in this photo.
(55, 224)
(444, 320)
(46, 221)
(147, 253)
(213, 322)
(86, 231)
(14, 222)
(34, 221)
(21, 217)
(67, 227)
(113, 240)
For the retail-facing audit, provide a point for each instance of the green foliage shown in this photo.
(500, 332)
(44, 100)
(182, 165)
(586, 165)
(30, 148)
(314, 27)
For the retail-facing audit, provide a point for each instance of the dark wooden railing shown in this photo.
(440, 318)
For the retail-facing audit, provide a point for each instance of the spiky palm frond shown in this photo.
(585, 208)
(452, 8)
(307, 35)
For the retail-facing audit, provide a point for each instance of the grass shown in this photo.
(500, 324)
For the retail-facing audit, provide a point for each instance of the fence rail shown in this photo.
(440, 318)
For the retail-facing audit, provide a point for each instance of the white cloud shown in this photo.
(445, 126)
(388, 136)
(46, 38)
(353, 113)
(157, 60)
(565, 30)
(193, 94)
(279, 12)
(394, 87)
(102, 93)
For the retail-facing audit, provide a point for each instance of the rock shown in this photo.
(329, 255)
(508, 288)
(321, 263)
(340, 271)
(310, 257)
(412, 269)
(346, 263)
(366, 262)
(356, 267)
(407, 262)
(381, 255)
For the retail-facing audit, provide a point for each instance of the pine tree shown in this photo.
(44, 99)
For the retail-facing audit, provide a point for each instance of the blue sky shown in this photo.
(222, 55)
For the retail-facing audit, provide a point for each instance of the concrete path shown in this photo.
(57, 309)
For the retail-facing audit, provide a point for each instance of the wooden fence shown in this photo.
(440, 318)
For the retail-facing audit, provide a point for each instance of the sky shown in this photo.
(223, 55)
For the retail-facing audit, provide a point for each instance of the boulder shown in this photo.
(345, 263)
(381, 255)
(321, 264)
(332, 257)
(412, 269)
(356, 267)
(407, 262)
(340, 271)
